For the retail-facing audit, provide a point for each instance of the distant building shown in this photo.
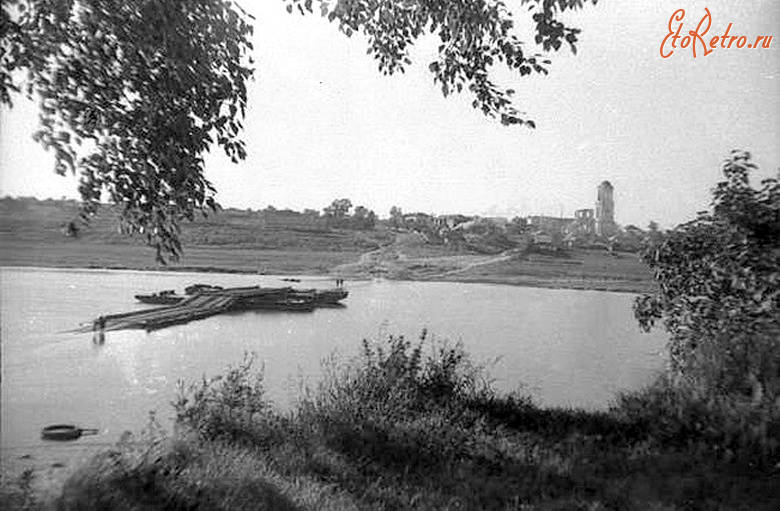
(549, 223)
(418, 221)
(450, 221)
(547, 241)
(496, 221)
(584, 223)
(543, 239)
(605, 210)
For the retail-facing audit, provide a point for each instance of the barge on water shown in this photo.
(168, 297)
(202, 301)
(255, 297)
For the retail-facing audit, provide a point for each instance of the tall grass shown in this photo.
(726, 425)
(410, 424)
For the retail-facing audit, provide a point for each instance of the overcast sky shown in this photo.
(324, 124)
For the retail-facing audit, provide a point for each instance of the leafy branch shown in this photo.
(131, 95)
(475, 36)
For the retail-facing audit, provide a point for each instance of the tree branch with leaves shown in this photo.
(475, 36)
(131, 94)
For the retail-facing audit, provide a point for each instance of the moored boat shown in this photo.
(201, 288)
(168, 297)
(322, 297)
(330, 296)
(292, 304)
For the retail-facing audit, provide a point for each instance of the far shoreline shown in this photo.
(572, 284)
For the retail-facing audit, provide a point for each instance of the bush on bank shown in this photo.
(406, 425)
(718, 298)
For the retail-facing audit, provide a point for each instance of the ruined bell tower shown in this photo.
(605, 210)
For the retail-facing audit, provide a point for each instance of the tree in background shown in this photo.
(396, 219)
(363, 219)
(654, 233)
(338, 215)
(338, 211)
(133, 93)
(719, 294)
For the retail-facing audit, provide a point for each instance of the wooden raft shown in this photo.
(216, 301)
(196, 307)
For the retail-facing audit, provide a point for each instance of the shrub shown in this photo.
(674, 415)
(718, 298)
(395, 376)
(230, 407)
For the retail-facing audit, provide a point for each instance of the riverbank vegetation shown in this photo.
(719, 301)
(414, 425)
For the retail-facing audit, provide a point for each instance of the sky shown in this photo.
(323, 123)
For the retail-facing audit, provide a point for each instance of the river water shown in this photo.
(565, 348)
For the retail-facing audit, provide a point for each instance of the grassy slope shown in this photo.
(31, 235)
(577, 269)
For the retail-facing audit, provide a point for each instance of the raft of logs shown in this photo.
(212, 300)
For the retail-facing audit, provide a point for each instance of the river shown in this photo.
(565, 348)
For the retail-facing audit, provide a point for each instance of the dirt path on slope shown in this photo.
(410, 257)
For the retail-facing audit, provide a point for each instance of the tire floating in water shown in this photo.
(65, 432)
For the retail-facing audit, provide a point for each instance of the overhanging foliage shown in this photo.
(131, 95)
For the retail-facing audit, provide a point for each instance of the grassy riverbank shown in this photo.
(196, 259)
(410, 425)
(34, 233)
(581, 269)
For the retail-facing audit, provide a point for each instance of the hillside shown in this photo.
(34, 232)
